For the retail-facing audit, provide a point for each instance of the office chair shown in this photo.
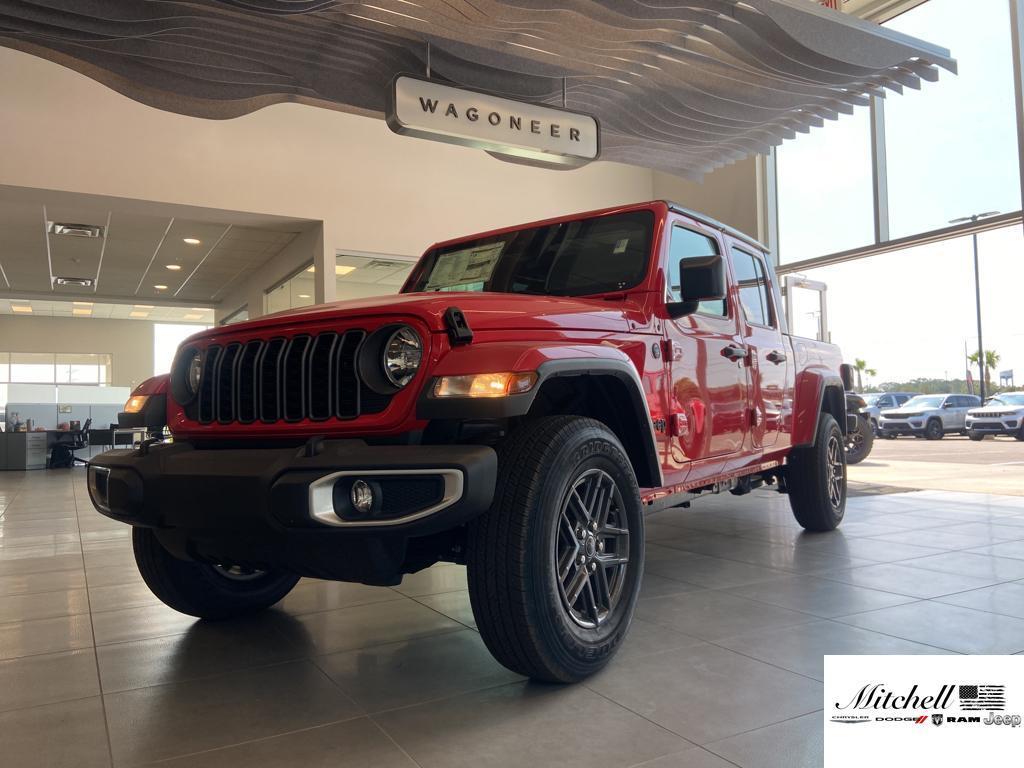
(79, 441)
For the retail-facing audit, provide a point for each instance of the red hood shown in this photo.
(483, 311)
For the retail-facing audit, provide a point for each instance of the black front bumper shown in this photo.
(275, 506)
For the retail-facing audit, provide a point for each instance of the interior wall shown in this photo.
(373, 191)
(130, 342)
(729, 194)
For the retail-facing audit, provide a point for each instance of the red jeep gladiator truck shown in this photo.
(518, 407)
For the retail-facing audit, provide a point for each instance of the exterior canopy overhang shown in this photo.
(683, 86)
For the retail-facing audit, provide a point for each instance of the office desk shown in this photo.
(24, 450)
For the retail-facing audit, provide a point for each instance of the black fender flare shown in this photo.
(831, 400)
(646, 465)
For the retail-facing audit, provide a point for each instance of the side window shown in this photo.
(753, 288)
(885, 402)
(687, 244)
(901, 399)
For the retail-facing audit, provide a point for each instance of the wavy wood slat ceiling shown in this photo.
(683, 86)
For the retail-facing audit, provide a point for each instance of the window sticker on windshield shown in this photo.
(464, 270)
(620, 246)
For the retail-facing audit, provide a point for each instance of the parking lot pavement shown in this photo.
(994, 465)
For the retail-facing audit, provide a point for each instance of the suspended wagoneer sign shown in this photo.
(532, 132)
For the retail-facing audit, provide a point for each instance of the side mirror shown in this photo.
(701, 278)
(947, 404)
(846, 374)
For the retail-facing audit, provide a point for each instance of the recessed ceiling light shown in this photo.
(160, 287)
(143, 306)
(82, 303)
(191, 240)
(304, 296)
(138, 314)
(193, 317)
(21, 308)
(81, 311)
(173, 267)
(340, 270)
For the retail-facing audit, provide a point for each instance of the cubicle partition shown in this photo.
(48, 407)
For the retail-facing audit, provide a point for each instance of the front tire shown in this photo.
(204, 590)
(816, 479)
(933, 430)
(555, 565)
(978, 437)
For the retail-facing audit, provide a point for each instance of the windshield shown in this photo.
(924, 401)
(1010, 398)
(573, 258)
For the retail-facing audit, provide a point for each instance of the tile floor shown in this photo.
(722, 668)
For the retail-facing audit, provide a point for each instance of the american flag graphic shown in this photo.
(982, 697)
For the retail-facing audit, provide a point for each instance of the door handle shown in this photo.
(735, 353)
(776, 356)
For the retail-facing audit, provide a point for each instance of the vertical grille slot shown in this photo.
(346, 378)
(321, 376)
(246, 408)
(269, 380)
(313, 377)
(293, 379)
(225, 386)
(207, 385)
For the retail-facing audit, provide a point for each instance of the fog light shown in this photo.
(362, 496)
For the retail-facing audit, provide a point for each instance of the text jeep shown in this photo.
(529, 395)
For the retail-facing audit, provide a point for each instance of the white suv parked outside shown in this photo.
(1001, 415)
(930, 416)
(881, 401)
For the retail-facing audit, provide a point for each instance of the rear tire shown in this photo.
(816, 479)
(933, 430)
(566, 491)
(859, 442)
(1019, 434)
(204, 590)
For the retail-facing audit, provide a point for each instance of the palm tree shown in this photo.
(992, 359)
(861, 366)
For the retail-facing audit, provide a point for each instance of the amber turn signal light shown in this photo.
(135, 403)
(485, 384)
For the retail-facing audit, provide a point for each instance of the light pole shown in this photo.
(977, 293)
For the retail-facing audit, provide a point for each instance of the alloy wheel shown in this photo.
(836, 471)
(237, 572)
(591, 549)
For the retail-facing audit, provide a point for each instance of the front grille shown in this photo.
(285, 379)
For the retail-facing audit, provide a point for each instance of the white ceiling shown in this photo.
(141, 240)
(106, 310)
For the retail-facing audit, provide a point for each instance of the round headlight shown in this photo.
(402, 354)
(194, 372)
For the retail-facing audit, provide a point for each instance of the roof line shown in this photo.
(716, 224)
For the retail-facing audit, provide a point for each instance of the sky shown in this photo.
(952, 151)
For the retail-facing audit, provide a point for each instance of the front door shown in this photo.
(708, 401)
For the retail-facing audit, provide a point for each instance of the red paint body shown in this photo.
(722, 418)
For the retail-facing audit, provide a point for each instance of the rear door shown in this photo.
(708, 399)
(767, 350)
(958, 413)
